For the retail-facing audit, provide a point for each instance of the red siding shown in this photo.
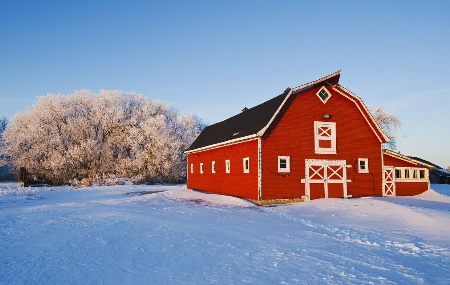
(405, 188)
(235, 183)
(361, 107)
(294, 136)
(410, 188)
(392, 161)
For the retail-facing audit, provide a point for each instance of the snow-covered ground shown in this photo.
(171, 235)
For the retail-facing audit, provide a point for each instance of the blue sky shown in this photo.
(212, 58)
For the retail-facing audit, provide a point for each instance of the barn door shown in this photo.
(325, 179)
(388, 181)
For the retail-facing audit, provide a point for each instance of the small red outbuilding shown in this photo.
(314, 141)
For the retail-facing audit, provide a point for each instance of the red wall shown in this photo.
(392, 161)
(410, 188)
(235, 183)
(405, 188)
(294, 136)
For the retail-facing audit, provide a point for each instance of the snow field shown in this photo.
(135, 234)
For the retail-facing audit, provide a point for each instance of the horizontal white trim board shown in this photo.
(225, 143)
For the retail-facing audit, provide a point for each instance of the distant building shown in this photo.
(438, 175)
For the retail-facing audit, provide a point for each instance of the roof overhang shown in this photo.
(225, 143)
(407, 158)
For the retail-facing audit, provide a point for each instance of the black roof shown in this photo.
(425, 161)
(246, 123)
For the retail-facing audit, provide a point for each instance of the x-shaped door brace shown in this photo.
(316, 172)
(335, 172)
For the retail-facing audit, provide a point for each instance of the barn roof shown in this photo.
(255, 121)
(410, 159)
(246, 123)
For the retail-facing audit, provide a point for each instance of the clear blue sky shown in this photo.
(212, 58)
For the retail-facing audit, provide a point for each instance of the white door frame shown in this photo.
(389, 184)
(325, 179)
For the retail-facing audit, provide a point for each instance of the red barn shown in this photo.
(314, 141)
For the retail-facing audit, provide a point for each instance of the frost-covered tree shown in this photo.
(3, 154)
(390, 124)
(89, 136)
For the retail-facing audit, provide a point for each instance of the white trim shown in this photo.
(411, 171)
(389, 187)
(246, 159)
(406, 158)
(288, 164)
(259, 169)
(325, 166)
(225, 143)
(382, 165)
(329, 94)
(296, 89)
(367, 111)
(192, 168)
(263, 130)
(213, 166)
(201, 167)
(331, 126)
(364, 116)
(366, 165)
(227, 166)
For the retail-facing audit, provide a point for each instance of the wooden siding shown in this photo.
(404, 188)
(294, 136)
(410, 188)
(236, 183)
(392, 161)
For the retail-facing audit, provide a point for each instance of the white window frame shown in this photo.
(411, 174)
(192, 168)
(366, 163)
(329, 95)
(227, 166)
(201, 168)
(213, 166)
(246, 159)
(395, 173)
(288, 164)
(318, 137)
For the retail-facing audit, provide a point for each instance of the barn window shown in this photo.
(213, 167)
(246, 164)
(363, 165)
(201, 168)
(406, 173)
(284, 164)
(411, 174)
(323, 94)
(192, 168)
(422, 174)
(227, 166)
(325, 137)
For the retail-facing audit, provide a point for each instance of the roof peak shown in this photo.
(333, 78)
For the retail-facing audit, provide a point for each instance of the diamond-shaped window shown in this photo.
(323, 94)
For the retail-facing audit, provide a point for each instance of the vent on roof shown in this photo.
(245, 109)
